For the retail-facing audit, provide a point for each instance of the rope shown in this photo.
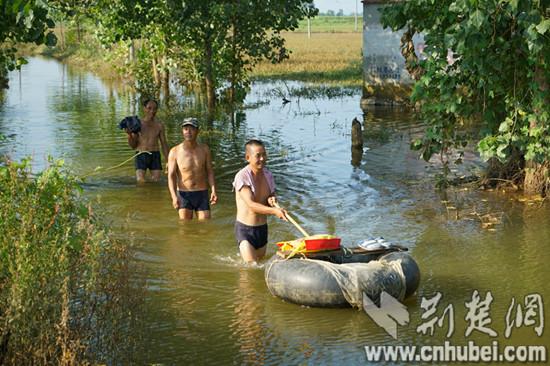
(100, 169)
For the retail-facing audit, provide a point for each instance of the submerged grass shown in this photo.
(66, 296)
(333, 58)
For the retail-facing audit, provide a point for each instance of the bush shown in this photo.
(65, 292)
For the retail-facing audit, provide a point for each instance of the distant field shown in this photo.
(325, 57)
(332, 24)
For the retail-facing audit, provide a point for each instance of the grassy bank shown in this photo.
(65, 291)
(86, 53)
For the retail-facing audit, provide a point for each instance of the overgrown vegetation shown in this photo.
(21, 21)
(485, 61)
(65, 291)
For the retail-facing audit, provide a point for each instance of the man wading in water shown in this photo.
(190, 173)
(147, 142)
(255, 197)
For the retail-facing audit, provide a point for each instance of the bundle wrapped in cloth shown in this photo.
(131, 123)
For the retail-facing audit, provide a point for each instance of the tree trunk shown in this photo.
(62, 33)
(155, 70)
(165, 78)
(4, 81)
(233, 76)
(78, 31)
(356, 143)
(209, 76)
(408, 52)
(132, 52)
(537, 178)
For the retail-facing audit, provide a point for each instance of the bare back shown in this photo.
(191, 167)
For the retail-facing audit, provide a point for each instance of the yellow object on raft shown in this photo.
(310, 244)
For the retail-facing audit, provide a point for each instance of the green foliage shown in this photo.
(206, 42)
(22, 21)
(60, 272)
(498, 74)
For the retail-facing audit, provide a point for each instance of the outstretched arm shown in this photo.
(247, 196)
(211, 180)
(173, 177)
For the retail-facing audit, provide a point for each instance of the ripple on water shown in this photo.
(204, 304)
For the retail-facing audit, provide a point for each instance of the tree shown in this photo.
(21, 21)
(487, 63)
(226, 39)
(310, 11)
(145, 21)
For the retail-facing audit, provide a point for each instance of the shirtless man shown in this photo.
(255, 197)
(190, 173)
(147, 141)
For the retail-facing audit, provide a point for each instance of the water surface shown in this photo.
(206, 307)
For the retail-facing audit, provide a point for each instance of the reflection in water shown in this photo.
(205, 308)
(246, 324)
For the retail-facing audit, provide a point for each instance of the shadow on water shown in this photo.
(207, 307)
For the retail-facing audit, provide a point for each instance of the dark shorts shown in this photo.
(194, 200)
(256, 235)
(148, 161)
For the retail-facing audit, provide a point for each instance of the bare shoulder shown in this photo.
(159, 125)
(175, 149)
(204, 148)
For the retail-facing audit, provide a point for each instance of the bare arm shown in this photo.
(133, 139)
(258, 208)
(163, 141)
(173, 177)
(211, 180)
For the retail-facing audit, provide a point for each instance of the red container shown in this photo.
(323, 244)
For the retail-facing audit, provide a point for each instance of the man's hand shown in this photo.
(175, 202)
(133, 139)
(213, 198)
(280, 213)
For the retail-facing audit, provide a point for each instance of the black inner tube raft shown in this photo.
(340, 283)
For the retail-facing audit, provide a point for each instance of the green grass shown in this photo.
(332, 24)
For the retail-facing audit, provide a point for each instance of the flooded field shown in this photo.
(204, 305)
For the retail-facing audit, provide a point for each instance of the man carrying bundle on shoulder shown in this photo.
(146, 142)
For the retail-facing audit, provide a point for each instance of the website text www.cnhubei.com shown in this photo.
(453, 353)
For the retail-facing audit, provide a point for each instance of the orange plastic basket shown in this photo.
(312, 243)
(323, 244)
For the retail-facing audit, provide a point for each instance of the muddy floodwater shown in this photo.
(206, 307)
